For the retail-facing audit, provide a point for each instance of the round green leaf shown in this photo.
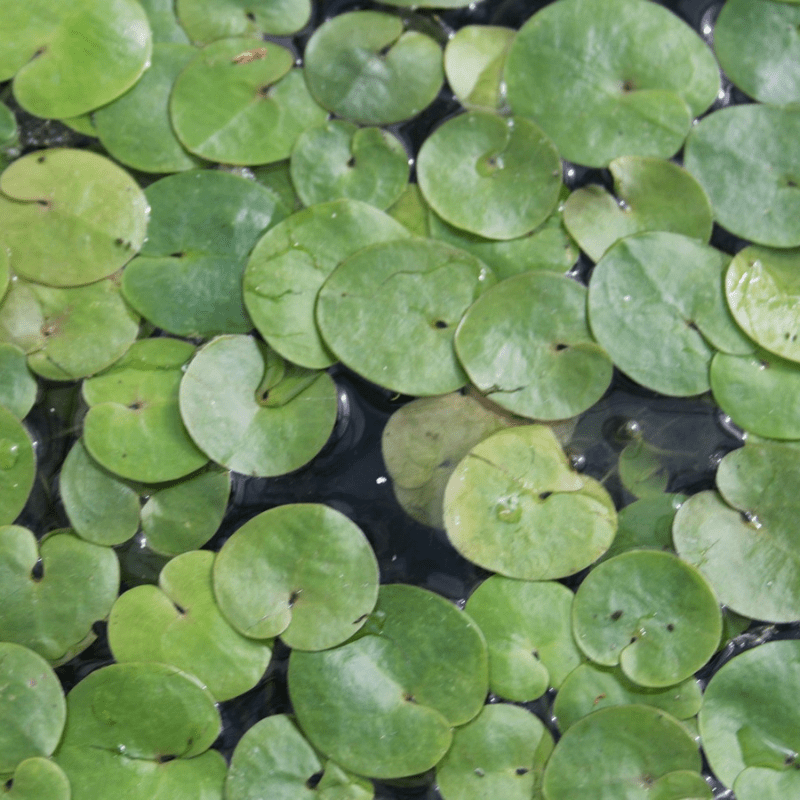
(291, 262)
(186, 515)
(133, 427)
(338, 159)
(758, 46)
(17, 466)
(591, 687)
(207, 20)
(180, 623)
(650, 194)
(18, 387)
(252, 412)
(528, 631)
(671, 286)
(141, 731)
(494, 755)
(365, 67)
(100, 507)
(136, 129)
(515, 506)
(497, 177)
(649, 612)
(763, 291)
(142, 711)
(473, 63)
(425, 439)
(760, 393)
(70, 58)
(390, 310)
(746, 547)
(645, 524)
(69, 217)
(384, 704)
(188, 278)
(32, 707)
(648, 747)
(303, 571)
(51, 604)
(641, 98)
(526, 344)
(240, 102)
(548, 247)
(36, 778)
(273, 759)
(745, 720)
(68, 333)
(755, 198)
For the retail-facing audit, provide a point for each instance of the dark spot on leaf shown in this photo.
(409, 698)
(360, 619)
(790, 760)
(601, 696)
(165, 759)
(37, 573)
(39, 52)
(560, 346)
(446, 464)
(544, 495)
(628, 86)
(265, 90)
(763, 364)
(180, 609)
(41, 159)
(44, 203)
(522, 770)
(690, 324)
(179, 254)
(293, 597)
(633, 639)
(670, 627)
(535, 653)
(314, 780)
(250, 15)
(136, 405)
(440, 323)
(616, 615)
(383, 52)
(647, 780)
(479, 772)
(8, 784)
(351, 162)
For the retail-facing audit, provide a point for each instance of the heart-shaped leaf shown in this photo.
(302, 571)
(365, 67)
(17, 466)
(253, 413)
(515, 506)
(53, 592)
(70, 217)
(180, 623)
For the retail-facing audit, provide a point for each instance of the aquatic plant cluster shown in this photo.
(244, 246)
